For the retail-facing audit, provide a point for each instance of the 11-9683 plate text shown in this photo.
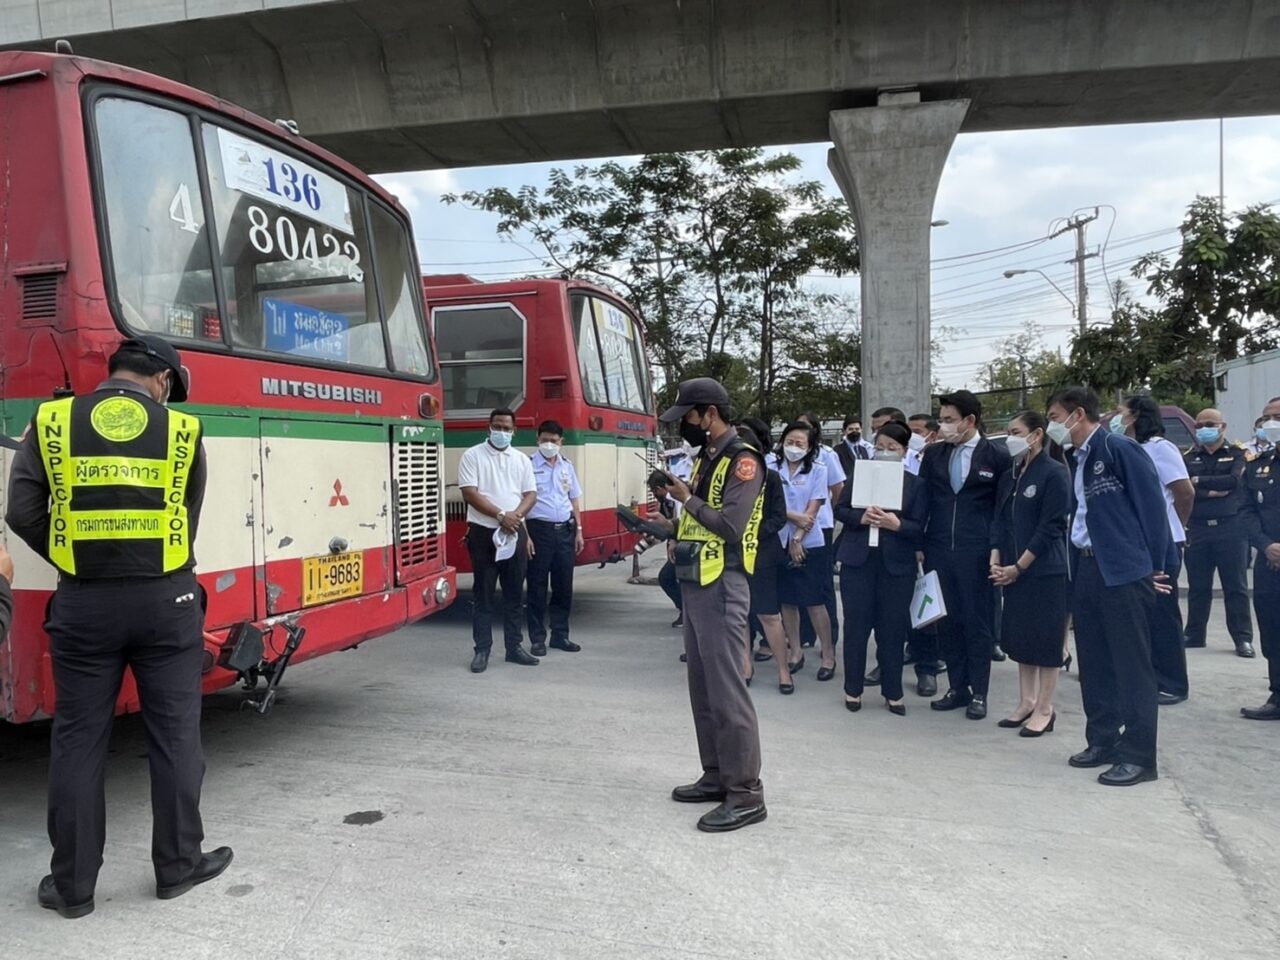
(332, 577)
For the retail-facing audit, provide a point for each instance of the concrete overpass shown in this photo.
(396, 85)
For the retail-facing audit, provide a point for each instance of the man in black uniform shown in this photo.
(1262, 520)
(716, 544)
(1216, 535)
(108, 488)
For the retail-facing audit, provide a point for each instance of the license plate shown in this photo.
(332, 577)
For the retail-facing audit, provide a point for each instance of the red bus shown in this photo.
(561, 350)
(288, 281)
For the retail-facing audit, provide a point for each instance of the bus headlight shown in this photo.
(443, 591)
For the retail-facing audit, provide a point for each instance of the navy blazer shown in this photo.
(1032, 507)
(898, 548)
(1126, 515)
(963, 520)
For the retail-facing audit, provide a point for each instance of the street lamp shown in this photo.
(1010, 274)
(939, 223)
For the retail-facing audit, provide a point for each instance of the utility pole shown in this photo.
(1080, 224)
(1022, 371)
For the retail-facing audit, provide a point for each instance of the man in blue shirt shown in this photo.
(1120, 542)
(555, 540)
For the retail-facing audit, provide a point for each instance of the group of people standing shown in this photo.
(1064, 520)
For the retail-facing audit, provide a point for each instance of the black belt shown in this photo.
(562, 525)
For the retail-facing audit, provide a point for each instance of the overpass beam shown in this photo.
(888, 160)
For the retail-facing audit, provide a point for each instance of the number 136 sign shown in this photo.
(281, 180)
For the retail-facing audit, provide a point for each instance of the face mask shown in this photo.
(1206, 435)
(855, 436)
(1261, 434)
(1117, 423)
(1059, 433)
(501, 439)
(949, 432)
(893, 455)
(916, 443)
(795, 454)
(549, 450)
(1017, 447)
(692, 434)
(1272, 429)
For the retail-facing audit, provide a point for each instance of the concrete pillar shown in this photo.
(888, 160)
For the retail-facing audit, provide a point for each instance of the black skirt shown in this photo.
(806, 586)
(1035, 620)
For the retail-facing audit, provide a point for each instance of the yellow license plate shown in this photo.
(332, 577)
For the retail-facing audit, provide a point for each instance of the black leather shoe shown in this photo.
(1245, 650)
(537, 650)
(725, 818)
(698, 793)
(873, 678)
(1093, 757)
(998, 655)
(567, 645)
(684, 658)
(977, 709)
(1013, 723)
(48, 897)
(480, 662)
(1268, 711)
(678, 621)
(1190, 644)
(853, 706)
(211, 865)
(798, 665)
(787, 688)
(521, 656)
(1126, 775)
(897, 709)
(1168, 699)
(951, 700)
(826, 673)
(927, 685)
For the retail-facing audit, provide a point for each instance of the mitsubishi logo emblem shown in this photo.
(339, 499)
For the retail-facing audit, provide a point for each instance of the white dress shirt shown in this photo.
(503, 476)
(1079, 528)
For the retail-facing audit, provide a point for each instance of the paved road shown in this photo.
(524, 814)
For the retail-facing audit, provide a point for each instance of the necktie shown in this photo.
(957, 469)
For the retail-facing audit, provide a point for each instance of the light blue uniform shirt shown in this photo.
(557, 485)
(801, 490)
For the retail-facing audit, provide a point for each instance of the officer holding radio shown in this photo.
(717, 541)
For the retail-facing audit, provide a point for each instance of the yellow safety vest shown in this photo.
(117, 474)
(713, 556)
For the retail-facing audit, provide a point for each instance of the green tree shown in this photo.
(1022, 376)
(710, 247)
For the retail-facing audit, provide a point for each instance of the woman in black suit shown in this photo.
(876, 582)
(1029, 560)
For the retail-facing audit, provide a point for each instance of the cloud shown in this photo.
(416, 190)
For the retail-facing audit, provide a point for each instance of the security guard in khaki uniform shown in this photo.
(716, 544)
(108, 488)
(1262, 520)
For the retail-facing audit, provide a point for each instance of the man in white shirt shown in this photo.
(555, 529)
(498, 486)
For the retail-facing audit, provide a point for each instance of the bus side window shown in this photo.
(481, 352)
(589, 366)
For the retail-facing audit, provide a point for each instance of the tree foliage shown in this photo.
(710, 247)
(1023, 375)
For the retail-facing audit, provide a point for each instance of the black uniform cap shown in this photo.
(702, 391)
(165, 352)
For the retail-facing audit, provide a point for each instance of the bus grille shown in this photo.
(419, 502)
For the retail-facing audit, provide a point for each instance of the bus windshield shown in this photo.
(610, 354)
(276, 256)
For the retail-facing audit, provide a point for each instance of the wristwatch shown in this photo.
(502, 515)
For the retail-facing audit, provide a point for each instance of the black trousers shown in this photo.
(670, 585)
(875, 599)
(1229, 555)
(552, 560)
(1168, 655)
(1266, 604)
(488, 574)
(965, 633)
(1117, 680)
(96, 628)
(807, 635)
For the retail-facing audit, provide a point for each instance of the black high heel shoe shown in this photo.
(1066, 664)
(1012, 724)
(897, 709)
(786, 688)
(826, 673)
(853, 706)
(798, 665)
(1028, 732)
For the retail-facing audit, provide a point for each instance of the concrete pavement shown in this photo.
(394, 805)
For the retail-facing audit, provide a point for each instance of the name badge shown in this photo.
(1029, 492)
(985, 474)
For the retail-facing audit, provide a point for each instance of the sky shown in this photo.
(1000, 193)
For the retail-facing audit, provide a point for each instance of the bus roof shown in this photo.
(461, 285)
(72, 69)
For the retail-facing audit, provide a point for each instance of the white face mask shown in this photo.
(893, 455)
(1059, 433)
(916, 443)
(549, 450)
(501, 439)
(1017, 446)
(795, 454)
(1272, 429)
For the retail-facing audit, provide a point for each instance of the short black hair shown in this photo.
(137, 362)
(760, 429)
(851, 420)
(1083, 399)
(893, 413)
(1147, 422)
(552, 427)
(897, 431)
(966, 403)
(502, 412)
(929, 422)
(726, 412)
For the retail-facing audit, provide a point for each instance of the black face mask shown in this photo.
(694, 434)
(855, 436)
